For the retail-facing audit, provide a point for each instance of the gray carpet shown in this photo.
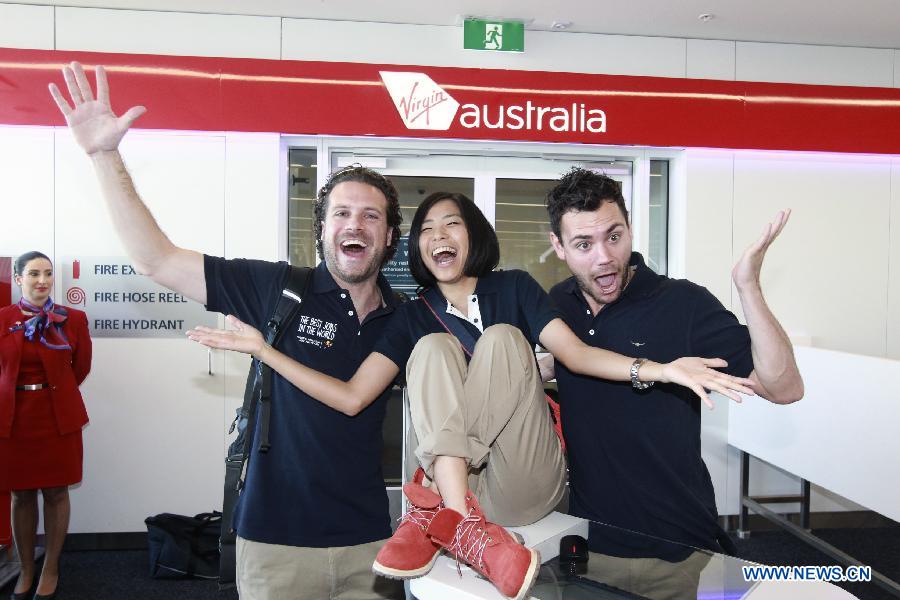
(878, 548)
(123, 575)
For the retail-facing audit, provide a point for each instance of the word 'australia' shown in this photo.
(577, 118)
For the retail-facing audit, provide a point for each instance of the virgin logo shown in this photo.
(421, 102)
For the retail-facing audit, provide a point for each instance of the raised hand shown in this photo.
(95, 127)
(699, 375)
(747, 269)
(243, 338)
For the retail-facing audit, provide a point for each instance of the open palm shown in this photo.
(243, 338)
(95, 127)
(747, 269)
(699, 375)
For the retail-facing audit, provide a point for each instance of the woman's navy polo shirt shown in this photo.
(511, 297)
(634, 456)
(320, 484)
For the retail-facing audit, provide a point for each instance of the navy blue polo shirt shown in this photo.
(510, 297)
(634, 456)
(320, 484)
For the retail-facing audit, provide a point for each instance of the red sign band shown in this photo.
(295, 97)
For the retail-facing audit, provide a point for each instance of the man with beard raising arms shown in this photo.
(314, 511)
(634, 450)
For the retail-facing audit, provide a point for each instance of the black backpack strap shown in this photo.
(287, 306)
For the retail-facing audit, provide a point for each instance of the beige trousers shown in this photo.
(275, 572)
(493, 413)
(650, 577)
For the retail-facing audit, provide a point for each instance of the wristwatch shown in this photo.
(636, 383)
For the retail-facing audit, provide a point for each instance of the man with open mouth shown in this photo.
(641, 441)
(313, 511)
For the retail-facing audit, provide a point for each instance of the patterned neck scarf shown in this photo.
(44, 324)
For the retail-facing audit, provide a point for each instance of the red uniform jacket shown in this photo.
(65, 369)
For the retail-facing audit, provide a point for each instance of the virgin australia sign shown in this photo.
(423, 104)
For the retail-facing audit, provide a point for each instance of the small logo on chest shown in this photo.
(638, 344)
(316, 332)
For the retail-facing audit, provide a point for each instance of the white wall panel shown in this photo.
(252, 194)
(818, 65)
(710, 59)
(26, 180)
(893, 318)
(309, 39)
(23, 26)
(185, 34)
(826, 276)
(610, 54)
(154, 443)
(710, 192)
(389, 43)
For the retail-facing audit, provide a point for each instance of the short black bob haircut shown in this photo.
(484, 249)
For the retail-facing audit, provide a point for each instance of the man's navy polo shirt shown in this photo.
(634, 456)
(320, 484)
(511, 297)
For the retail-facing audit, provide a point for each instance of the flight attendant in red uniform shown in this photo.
(45, 354)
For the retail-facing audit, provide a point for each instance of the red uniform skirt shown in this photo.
(36, 455)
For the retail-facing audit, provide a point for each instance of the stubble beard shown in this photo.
(589, 288)
(370, 270)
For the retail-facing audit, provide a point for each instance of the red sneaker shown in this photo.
(488, 548)
(410, 552)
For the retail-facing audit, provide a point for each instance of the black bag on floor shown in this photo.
(181, 546)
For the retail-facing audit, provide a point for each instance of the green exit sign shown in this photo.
(502, 36)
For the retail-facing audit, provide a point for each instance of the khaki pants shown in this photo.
(493, 413)
(650, 577)
(275, 572)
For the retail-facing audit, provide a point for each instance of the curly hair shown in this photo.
(360, 174)
(582, 190)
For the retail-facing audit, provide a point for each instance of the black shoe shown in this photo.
(51, 596)
(26, 595)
